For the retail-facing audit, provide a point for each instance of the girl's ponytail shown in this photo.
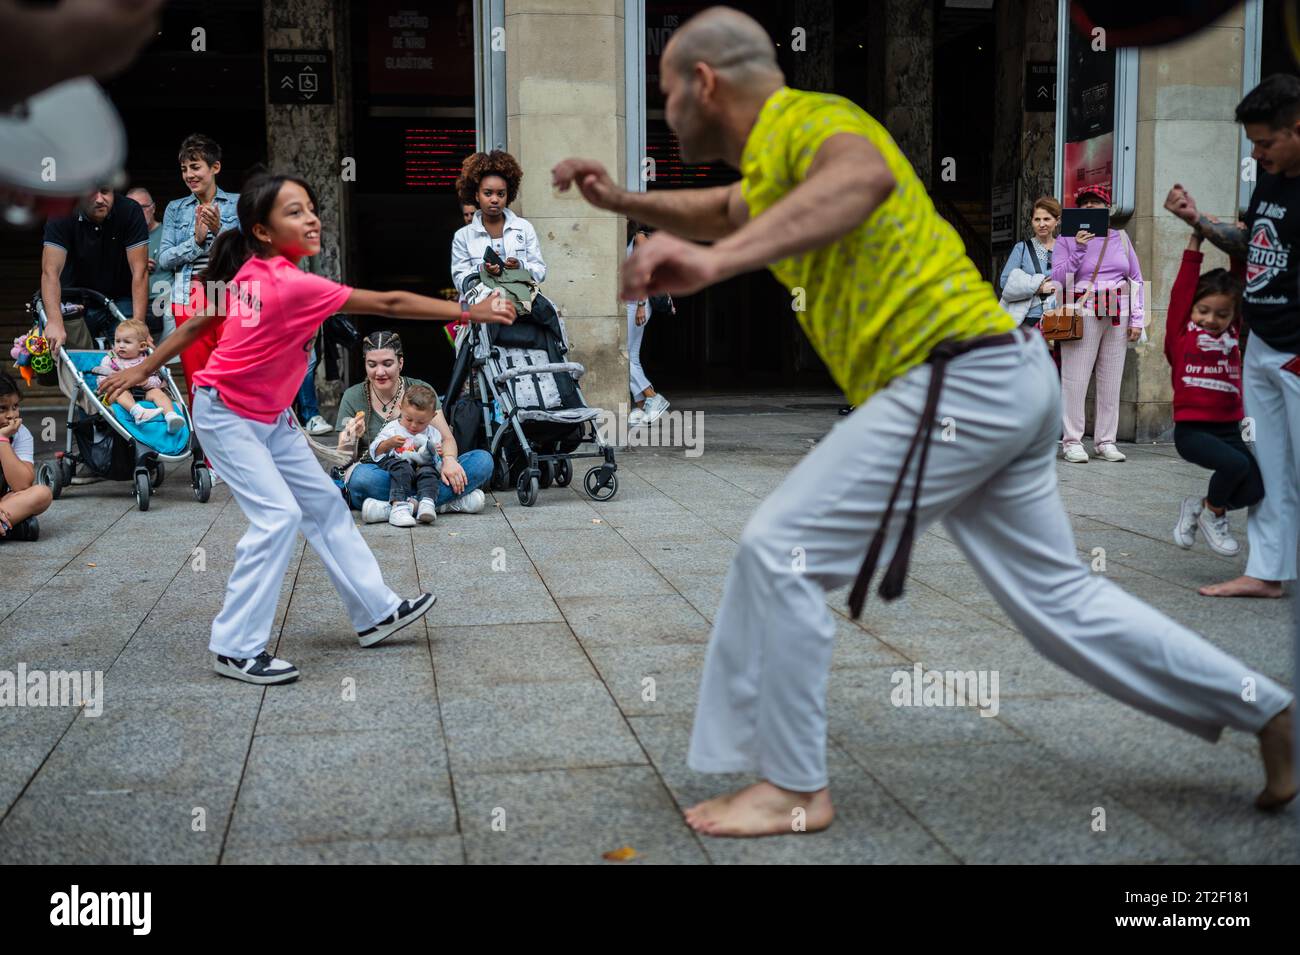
(227, 255)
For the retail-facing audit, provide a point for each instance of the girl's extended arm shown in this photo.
(494, 309)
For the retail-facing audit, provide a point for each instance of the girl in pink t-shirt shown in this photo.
(242, 418)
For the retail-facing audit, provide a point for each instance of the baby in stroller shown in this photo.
(409, 450)
(130, 347)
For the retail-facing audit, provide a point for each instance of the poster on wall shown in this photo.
(1090, 116)
(421, 49)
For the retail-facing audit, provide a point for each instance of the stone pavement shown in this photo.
(520, 701)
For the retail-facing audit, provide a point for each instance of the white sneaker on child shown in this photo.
(174, 422)
(428, 511)
(375, 511)
(401, 516)
(1215, 528)
(141, 414)
(1185, 529)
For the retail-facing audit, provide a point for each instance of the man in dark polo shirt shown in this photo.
(103, 246)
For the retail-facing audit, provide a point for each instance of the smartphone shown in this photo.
(1096, 221)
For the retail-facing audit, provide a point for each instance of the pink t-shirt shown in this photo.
(273, 310)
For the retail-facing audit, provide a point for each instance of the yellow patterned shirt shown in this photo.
(880, 298)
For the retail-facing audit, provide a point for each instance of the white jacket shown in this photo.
(472, 241)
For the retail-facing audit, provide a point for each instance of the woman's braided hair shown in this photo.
(376, 341)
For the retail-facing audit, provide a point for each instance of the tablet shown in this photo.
(1096, 221)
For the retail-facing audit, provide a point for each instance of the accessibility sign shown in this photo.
(300, 77)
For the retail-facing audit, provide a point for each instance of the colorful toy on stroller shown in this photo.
(108, 441)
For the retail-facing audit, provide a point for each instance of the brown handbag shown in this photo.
(1065, 324)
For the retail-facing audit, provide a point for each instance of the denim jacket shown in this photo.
(178, 249)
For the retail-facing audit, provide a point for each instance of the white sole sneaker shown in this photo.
(375, 511)
(1220, 541)
(654, 414)
(1108, 452)
(1185, 529)
(1075, 454)
(406, 614)
(263, 669)
(428, 512)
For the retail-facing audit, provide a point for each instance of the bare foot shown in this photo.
(1243, 586)
(1275, 748)
(762, 810)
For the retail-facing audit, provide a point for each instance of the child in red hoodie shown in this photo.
(1204, 322)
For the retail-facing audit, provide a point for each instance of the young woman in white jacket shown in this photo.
(490, 182)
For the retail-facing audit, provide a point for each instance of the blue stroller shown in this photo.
(108, 441)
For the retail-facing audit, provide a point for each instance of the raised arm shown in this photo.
(494, 309)
(1230, 238)
(702, 214)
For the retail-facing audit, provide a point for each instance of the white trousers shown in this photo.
(638, 382)
(281, 489)
(1103, 347)
(1273, 404)
(762, 707)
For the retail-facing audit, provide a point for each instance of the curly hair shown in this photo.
(477, 166)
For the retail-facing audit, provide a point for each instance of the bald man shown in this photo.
(917, 341)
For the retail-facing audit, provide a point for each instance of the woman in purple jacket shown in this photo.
(1112, 318)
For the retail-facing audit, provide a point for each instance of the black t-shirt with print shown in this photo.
(1273, 249)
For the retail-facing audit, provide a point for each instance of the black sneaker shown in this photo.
(407, 613)
(28, 530)
(263, 668)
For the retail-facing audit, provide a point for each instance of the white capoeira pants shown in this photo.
(1273, 404)
(762, 707)
(637, 381)
(280, 487)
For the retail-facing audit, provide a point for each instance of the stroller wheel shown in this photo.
(48, 474)
(600, 484)
(500, 475)
(202, 485)
(66, 470)
(527, 489)
(548, 474)
(563, 474)
(142, 490)
(156, 476)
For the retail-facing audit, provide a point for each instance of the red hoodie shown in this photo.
(1206, 368)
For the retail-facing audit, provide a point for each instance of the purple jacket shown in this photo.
(1119, 270)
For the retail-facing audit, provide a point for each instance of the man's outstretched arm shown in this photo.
(1230, 238)
(702, 214)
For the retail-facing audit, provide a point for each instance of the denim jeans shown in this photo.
(307, 403)
(370, 480)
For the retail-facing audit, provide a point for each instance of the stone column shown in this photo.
(908, 101)
(1187, 92)
(304, 139)
(564, 76)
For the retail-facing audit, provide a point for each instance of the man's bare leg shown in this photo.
(1275, 741)
(1243, 586)
(762, 810)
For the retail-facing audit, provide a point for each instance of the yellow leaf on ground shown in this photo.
(620, 855)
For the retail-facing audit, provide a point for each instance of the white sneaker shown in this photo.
(1216, 533)
(174, 422)
(401, 516)
(471, 503)
(654, 408)
(1185, 529)
(428, 512)
(635, 418)
(1108, 452)
(318, 425)
(1075, 454)
(375, 511)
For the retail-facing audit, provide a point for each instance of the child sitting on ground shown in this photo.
(21, 498)
(1203, 325)
(408, 449)
(130, 347)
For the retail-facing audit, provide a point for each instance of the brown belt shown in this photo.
(891, 585)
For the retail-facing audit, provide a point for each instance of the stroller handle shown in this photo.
(74, 296)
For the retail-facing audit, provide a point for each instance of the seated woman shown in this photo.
(490, 181)
(368, 406)
(21, 498)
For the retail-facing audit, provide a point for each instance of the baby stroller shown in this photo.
(109, 442)
(529, 411)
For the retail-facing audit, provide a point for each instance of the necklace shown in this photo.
(386, 408)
